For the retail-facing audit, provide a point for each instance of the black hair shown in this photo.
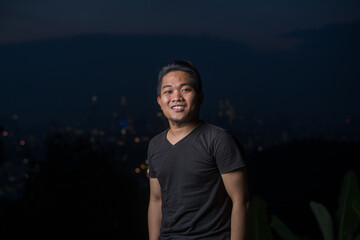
(180, 65)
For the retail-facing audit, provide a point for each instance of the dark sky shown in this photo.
(270, 58)
(256, 23)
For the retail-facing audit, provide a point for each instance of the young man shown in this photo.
(198, 186)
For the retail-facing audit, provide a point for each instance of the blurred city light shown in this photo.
(123, 131)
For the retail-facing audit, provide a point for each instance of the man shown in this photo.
(198, 186)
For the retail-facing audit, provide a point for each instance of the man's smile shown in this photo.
(178, 107)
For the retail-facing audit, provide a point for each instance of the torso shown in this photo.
(195, 202)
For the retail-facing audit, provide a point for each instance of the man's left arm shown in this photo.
(236, 186)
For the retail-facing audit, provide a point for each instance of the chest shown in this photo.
(184, 162)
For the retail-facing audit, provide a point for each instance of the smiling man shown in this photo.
(198, 186)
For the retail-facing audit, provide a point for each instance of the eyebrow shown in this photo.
(181, 85)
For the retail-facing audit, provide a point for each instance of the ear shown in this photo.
(159, 101)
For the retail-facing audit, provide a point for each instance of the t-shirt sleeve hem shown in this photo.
(232, 168)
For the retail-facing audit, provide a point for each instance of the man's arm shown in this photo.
(154, 211)
(236, 186)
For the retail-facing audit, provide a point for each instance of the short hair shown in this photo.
(181, 65)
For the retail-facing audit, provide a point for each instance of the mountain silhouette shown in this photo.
(56, 78)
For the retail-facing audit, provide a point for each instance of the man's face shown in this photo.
(178, 99)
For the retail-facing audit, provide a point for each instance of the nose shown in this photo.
(177, 96)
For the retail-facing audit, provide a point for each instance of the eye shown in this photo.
(167, 92)
(186, 89)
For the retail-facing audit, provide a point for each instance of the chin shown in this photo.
(179, 121)
(184, 120)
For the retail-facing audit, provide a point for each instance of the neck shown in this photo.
(185, 128)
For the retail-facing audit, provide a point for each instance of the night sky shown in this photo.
(256, 23)
(271, 59)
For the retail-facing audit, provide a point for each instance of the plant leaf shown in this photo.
(347, 217)
(282, 230)
(259, 228)
(324, 220)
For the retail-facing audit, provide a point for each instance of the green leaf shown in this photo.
(324, 220)
(282, 230)
(259, 228)
(347, 217)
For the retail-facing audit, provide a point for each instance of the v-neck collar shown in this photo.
(183, 139)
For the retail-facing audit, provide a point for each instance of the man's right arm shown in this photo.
(154, 211)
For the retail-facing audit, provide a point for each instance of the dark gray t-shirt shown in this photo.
(195, 204)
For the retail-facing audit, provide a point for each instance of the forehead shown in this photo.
(175, 78)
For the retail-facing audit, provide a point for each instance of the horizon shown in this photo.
(68, 72)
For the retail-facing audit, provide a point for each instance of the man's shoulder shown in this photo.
(212, 129)
(211, 134)
(158, 138)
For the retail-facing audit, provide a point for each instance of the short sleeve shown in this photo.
(228, 153)
(152, 173)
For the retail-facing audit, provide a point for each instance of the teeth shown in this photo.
(178, 107)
